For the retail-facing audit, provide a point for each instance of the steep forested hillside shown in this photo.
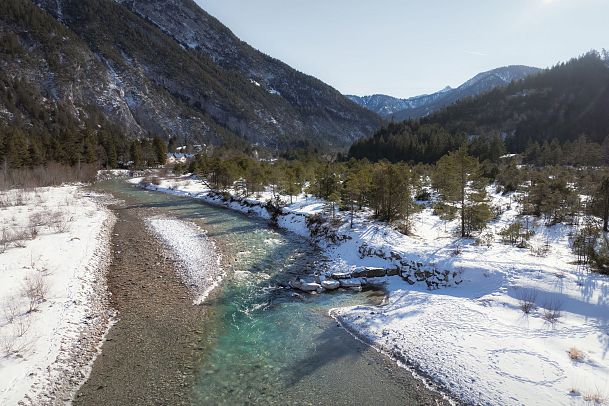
(561, 103)
(562, 109)
(48, 82)
(79, 72)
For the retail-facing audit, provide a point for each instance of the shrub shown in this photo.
(485, 239)
(584, 242)
(8, 345)
(515, 234)
(423, 196)
(445, 211)
(4, 240)
(59, 222)
(528, 298)
(540, 250)
(552, 311)
(10, 308)
(405, 227)
(35, 290)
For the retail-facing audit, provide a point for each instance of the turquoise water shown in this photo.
(265, 344)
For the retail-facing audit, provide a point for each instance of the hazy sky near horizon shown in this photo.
(409, 47)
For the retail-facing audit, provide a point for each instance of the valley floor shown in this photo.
(471, 337)
(54, 246)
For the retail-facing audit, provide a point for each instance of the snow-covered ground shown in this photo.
(473, 339)
(53, 298)
(197, 255)
(113, 174)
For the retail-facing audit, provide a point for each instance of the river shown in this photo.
(266, 344)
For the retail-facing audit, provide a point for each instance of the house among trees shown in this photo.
(178, 158)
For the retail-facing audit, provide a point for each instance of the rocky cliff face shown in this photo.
(168, 68)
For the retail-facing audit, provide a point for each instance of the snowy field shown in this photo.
(197, 255)
(53, 298)
(526, 326)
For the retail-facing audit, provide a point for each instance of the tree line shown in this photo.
(393, 192)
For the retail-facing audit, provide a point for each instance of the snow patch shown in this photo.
(197, 254)
(49, 344)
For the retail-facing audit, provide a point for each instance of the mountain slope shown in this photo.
(387, 106)
(558, 106)
(420, 106)
(561, 103)
(250, 93)
(66, 76)
(99, 64)
(320, 108)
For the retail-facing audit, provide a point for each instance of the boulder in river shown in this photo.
(330, 284)
(306, 286)
(369, 272)
(341, 275)
(351, 283)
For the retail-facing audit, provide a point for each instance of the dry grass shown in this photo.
(56, 221)
(15, 235)
(14, 198)
(595, 397)
(575, 354)
(52, 174)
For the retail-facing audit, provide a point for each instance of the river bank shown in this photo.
(54, 256)
(150, 354)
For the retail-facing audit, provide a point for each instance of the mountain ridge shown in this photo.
(422, 105)
(561, 108)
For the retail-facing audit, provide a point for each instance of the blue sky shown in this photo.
(405, 47)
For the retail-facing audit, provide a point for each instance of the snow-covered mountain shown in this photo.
(420, 106)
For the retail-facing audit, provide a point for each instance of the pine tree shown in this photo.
(458, 178)
(17, 149)
(136, 155)
(390, 194)
(335, 201)
(603, 193)
(160, 151)
(290, 184)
